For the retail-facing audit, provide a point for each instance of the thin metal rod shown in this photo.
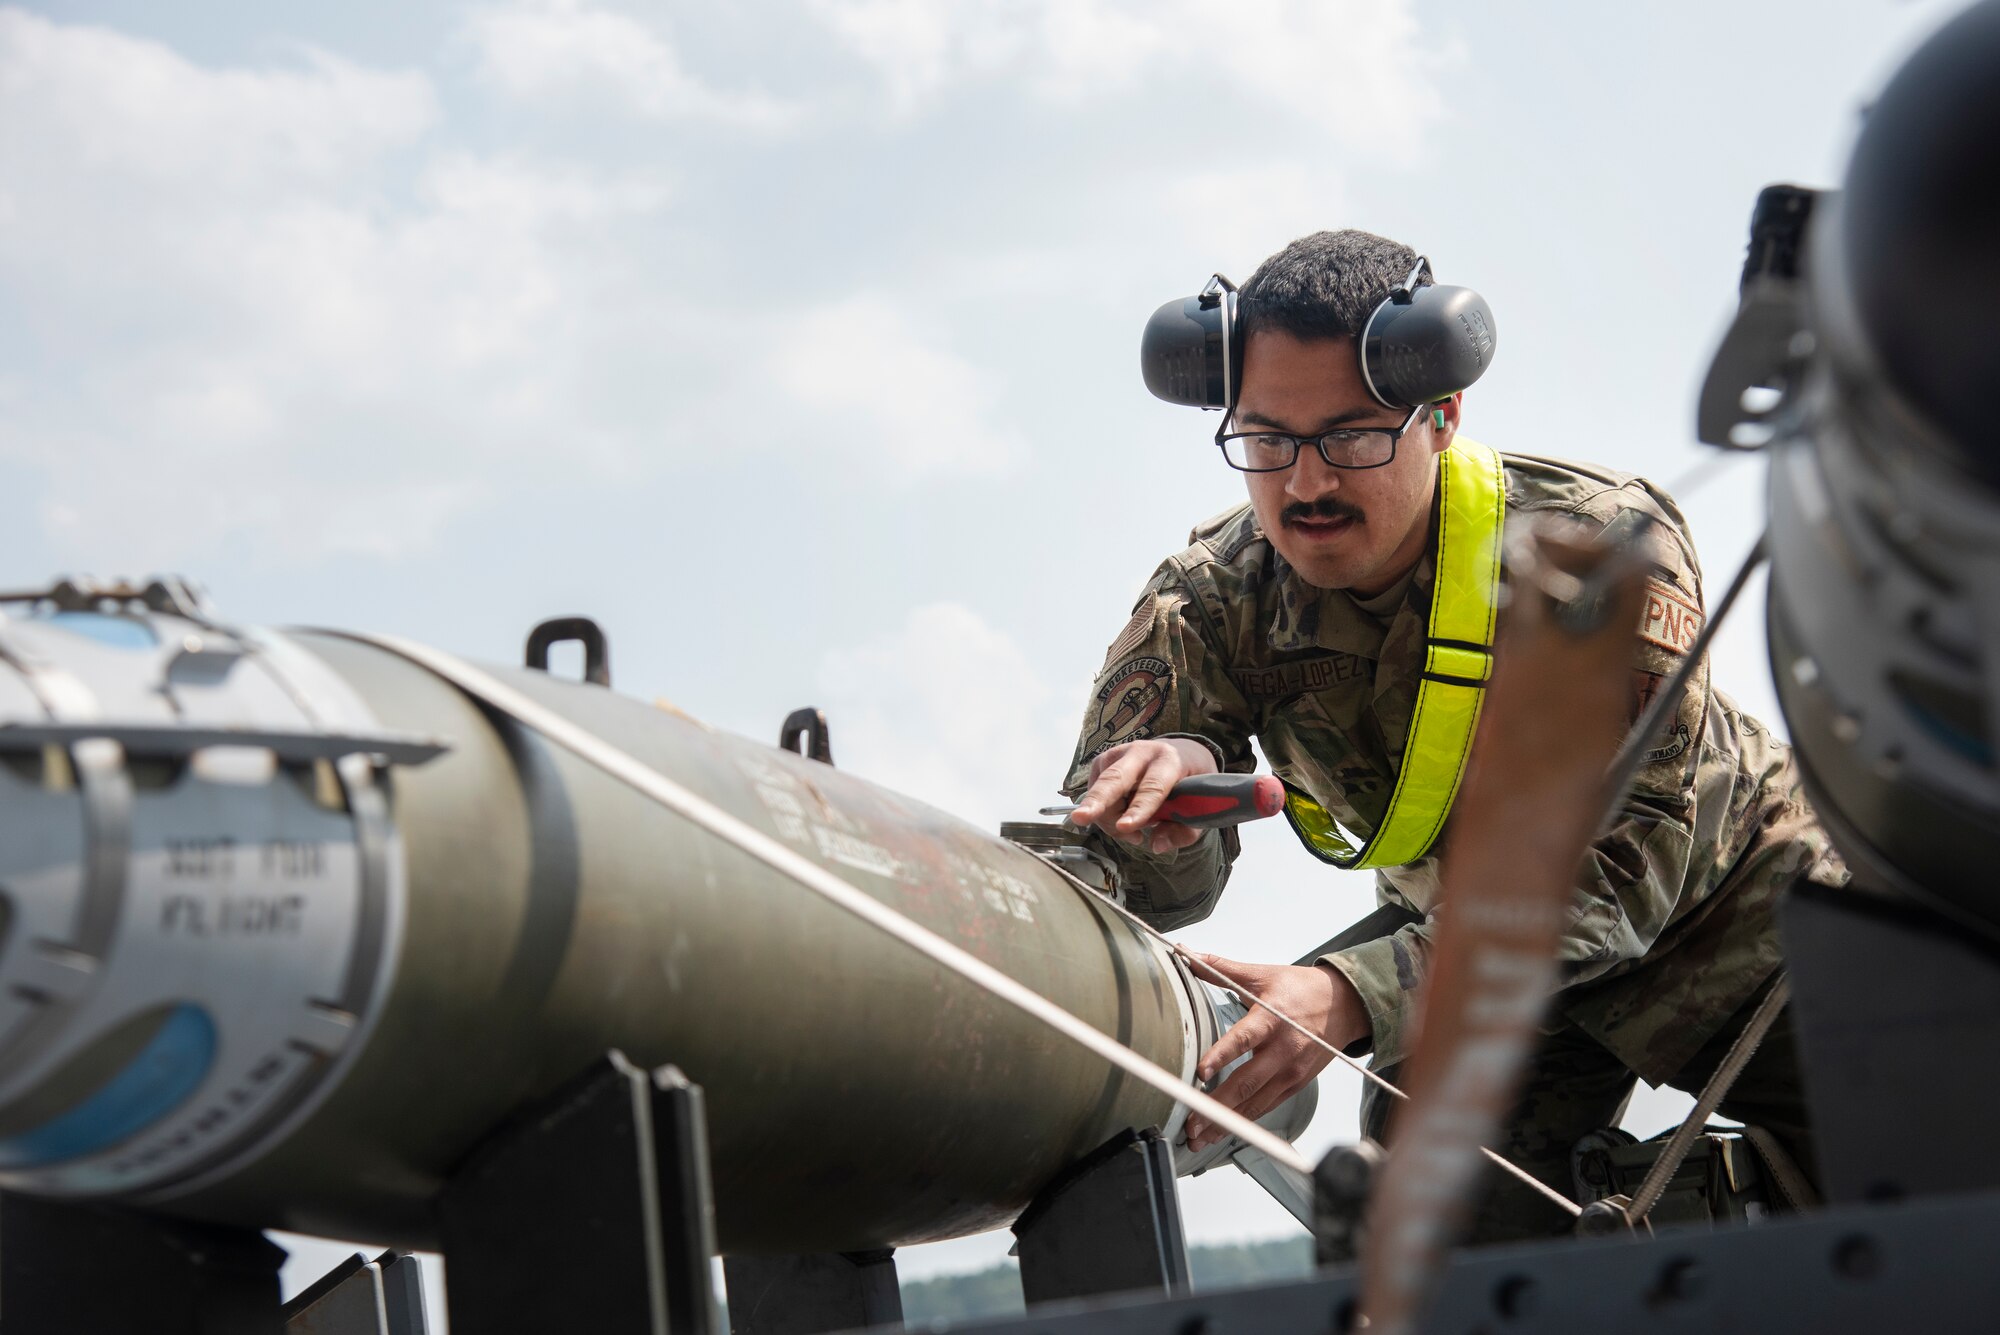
(1712, 1094)
(650, 783)
(1618, 780)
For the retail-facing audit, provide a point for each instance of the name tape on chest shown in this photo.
(1281, 681)
(1669, 620)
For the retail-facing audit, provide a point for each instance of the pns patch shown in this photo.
(1128, 703)
(1669, 620)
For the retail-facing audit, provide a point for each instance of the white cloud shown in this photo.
(136, 110)
(294, 297)
(920, 47)
(952, 711)
(536, 49)
(291, 299)
(883, 386)
(272, 296)
(1241, 213)
(1355, 69)
(523, 197)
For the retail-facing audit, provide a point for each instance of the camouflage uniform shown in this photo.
(1672, 931)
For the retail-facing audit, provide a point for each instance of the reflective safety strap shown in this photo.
(1458, 659)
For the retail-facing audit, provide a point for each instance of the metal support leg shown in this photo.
(592, 1213)
(71, 1268)
(806, 1295)
(1111, 1224)
(384, 1296)
(1897, 1016)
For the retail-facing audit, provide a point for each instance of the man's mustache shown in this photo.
(1322, 510)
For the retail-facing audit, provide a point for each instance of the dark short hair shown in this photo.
(1325, 285)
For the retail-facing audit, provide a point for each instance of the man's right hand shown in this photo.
(1128, 783)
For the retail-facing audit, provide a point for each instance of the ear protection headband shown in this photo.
(1423, 344)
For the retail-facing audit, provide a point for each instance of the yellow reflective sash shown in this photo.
(1458, 660)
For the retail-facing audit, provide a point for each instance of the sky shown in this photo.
(795, 340)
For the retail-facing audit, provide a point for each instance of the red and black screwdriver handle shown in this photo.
(1211, 801)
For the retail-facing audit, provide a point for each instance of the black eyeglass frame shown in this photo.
(1395, 434)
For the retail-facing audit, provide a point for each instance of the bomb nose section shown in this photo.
(1288, 1121)
(194, 920)
(50, 948)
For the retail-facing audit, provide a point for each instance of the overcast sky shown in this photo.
(795, 340)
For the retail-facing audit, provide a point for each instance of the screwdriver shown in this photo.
(1211, 801)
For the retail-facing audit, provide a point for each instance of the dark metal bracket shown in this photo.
(591, 1212)
(560, 630)
(812, 1294)
(384, 1296)
(805, 732)
(69, 1268)
(1888, 1000)
(1111, 1224)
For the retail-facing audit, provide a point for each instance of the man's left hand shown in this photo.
(1282, 1059)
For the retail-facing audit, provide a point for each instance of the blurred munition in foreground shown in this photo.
(1523, 828)
(290, 924)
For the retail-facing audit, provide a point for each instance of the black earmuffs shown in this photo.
(1423, 344)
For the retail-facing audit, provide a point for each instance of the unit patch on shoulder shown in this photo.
(1669, 620)
(1130, 699)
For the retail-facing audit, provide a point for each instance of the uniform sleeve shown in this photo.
(1639, 868)
(1386, 974)
(1633, 878)
(1165, 677)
